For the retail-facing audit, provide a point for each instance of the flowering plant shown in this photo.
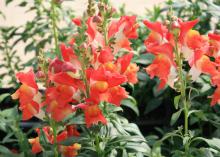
(181, 55)
(83, 90)
(78, 91)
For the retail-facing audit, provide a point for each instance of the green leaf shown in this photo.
(193, 111)
(43, 140)
(145, 59)
(214, 143)
(23, 4)
(175, 117)
(75, 119)
(4, 150)
(8, 1)
(133, 129)
(176, 101)
(153, 104)
(3, 96)
(215, 123)
(206, 152)
(70, 141)
(131, 103)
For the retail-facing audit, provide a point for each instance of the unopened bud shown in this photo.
(97, 19)
(40, 74)
(174, 18)
(167, 22)
(58, 1)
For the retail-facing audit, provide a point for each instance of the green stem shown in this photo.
(182, 82)
(9, 62)
(105, 31)
(54, 28)
(54, 127)
(82, 61)
(97, 147)
(22, 140)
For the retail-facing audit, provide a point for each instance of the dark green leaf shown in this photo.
(22, 4)
(3, 96)
(8, 1)
(131, 103)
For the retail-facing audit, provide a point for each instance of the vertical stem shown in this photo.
(97, 147)
(54, 28)
(22, 139)
(54, 127)
(9, 62)
(83, 66)
(105, 31)
(182, 82)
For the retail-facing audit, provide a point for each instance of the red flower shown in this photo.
(72, 131)
(216, 97)
(127, 68)
(93, 113)
(112, 79)
(160, 67)
(57, 101)
(95, 37)
(156, 27)
(126, 24)
(70, 151)
(214, 41)
(185, 27)
(69, 56)
(26, 94)
(105, 55)
(77, 21)
(57, 66)
(163, 66)
(130, 26)
(131, 73)
(66, 78)
(36, 147)
(116, 95)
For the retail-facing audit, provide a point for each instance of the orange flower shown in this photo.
(57, 101)
(185, 27)
(70, 151)
(69, 56)
(160, 67)
(26, 94)
(93, 113)
(131, 73)
(216, 97)
(123, 30)
(214, 41)
(203, 65)
(105, 55)
(36, 147)
(126, 68)
(72, 131)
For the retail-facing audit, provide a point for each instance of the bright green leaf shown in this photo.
(176, 101)
(175, 117)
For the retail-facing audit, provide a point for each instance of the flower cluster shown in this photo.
(176, 41)
(90, 73)
(67, 151)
